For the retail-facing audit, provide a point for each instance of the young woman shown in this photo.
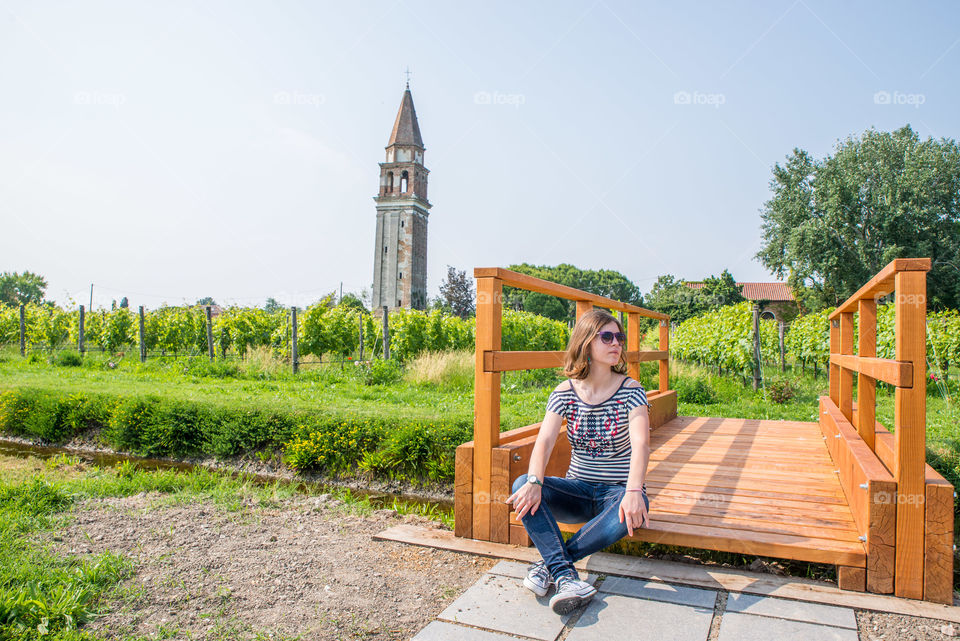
(608, 430)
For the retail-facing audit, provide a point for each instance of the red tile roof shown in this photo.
(758, 291)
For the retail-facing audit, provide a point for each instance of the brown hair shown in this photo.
(575, 363)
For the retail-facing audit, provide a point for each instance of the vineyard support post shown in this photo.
(756, 347)
(360, 320)
(80, 346)
(143, 339)
(23, 331)
(386, 333)
(293, 339)
(209, 332)
(783, 353)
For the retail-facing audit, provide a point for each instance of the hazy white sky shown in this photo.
(167, 151)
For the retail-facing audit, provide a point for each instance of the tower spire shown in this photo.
(406, 129)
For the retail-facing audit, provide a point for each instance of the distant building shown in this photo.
(777, 300)
(400, 251)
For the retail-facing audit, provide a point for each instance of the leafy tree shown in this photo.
(603, 282)
(272, 306)
(832, 224)
(457, 293)
(352, 301)
(721, 290)
(674, 297)
(124, 302)
(206, 300)
(19, 289)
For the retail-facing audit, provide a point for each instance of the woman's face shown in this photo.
(600, 352)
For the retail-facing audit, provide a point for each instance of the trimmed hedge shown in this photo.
(149, 425)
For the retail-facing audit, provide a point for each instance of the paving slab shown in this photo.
(795, 610)
(443, 631)
(737, 626)
(502, 604)
(657, 591)
(614, 616)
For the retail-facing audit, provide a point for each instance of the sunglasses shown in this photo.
(607, 337)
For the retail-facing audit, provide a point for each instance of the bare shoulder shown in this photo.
(632, 383)
(565, 386)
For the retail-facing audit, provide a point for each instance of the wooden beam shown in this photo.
(846, 376)
(898, 373)
(532, 284)
(500, 361)
(486, 402)
(665, 348)
(910, 432)
(871, 494)
(633, 344)
(834, 370)
(583, 306)
(883, 283)
(463, 491)
(851, 578)
(866, 384)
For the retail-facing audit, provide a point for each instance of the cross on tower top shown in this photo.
(407, 72)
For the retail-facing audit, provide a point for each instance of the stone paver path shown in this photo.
(499, 608)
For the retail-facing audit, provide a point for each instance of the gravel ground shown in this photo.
(306, 567)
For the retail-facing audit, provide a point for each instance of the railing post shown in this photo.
(664, 347)
(846, 375)
(633, 343)
(867, 386)
(909, 420)
(583, 306)
(834, 370)
(486, 403)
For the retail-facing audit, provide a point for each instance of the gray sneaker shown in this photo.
(538, 579)
(571, 594)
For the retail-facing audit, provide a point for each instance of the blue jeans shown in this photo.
(597, 505)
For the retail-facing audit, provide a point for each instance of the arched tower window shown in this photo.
(404, 178)
(389, 182)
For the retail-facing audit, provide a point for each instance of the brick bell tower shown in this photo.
(400, 253)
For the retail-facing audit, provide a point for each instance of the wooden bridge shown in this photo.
(843, 491)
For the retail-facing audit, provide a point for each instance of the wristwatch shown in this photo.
(532, 478)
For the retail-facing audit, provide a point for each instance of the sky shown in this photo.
(169, 151)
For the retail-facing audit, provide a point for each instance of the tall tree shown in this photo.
(674, 297)
(832, 224)
(603, 282)
(20, 289)
(457, 293)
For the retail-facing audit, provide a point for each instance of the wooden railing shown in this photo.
(920, 495)
(491, 361)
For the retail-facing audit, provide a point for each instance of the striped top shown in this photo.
(599, 434)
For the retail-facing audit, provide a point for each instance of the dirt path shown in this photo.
(305, 567)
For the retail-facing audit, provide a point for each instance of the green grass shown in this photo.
(326, 388)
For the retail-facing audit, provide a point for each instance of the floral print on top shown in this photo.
(598, 434)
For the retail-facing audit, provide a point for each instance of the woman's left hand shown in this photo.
(633, 510)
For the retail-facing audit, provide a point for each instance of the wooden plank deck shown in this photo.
(765, 488)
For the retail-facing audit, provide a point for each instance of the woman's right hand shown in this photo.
(526, 499)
